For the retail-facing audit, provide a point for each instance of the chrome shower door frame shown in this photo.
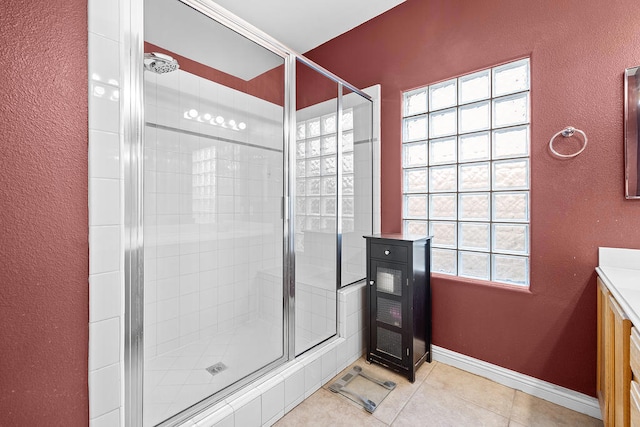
(132, 122)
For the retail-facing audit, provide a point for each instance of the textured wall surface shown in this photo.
(578, 50)
(43, 213)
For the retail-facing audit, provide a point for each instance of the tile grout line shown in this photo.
(513, 401)
(414, 392)
(508, 417)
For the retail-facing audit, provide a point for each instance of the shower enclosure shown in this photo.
(249, 187)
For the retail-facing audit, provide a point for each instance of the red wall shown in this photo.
(43, 214)
(578, 50)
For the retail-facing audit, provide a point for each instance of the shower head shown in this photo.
(160, 63)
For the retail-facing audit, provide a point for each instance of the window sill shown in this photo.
(484, 283)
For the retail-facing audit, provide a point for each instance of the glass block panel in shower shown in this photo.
(475, 147)
(414, 128)
(347, 163)
(313, 147)
(511, 206)
(474, 236)
(511, 238)
(474, 87)
(313, 128)
(328, 206)
(511, 142)
(328, 124)
(301, 222)
(389, 311)
(313, 167)
(313, 206)
(301, 205)
(348, 208)
(299, 244)
(442, 123)
(301, 187)
(443, 178)
(445, 234)
(511, 78)
(347, 184)
(389, 280)
(328, 165)
(442, 206)
(474, 206)
(301, 130)
(474, 177)
(510, 269)
(415, 102)
(328, 224)
(442, 151)
(389, 342)
(443, 95)
(313, 223)
(473, 264)
(474, 117)
(414, 154)
(511, 175)
(444, 261)
(300, 149)
(511, 110)
(313, 187)
(301, 168)
(328, 185)
(416, 227)
(415, 180)
(415, 206)
(329, 144)
(347, 119)
(347, 142)
(348, 225)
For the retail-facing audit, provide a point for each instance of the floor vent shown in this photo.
(217, 368)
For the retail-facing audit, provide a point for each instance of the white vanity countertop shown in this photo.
(619, 270)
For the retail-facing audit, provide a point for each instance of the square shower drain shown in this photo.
(217, 368)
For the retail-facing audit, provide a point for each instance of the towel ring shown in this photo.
(567, 132)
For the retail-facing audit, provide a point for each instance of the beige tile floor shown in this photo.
(441, 396)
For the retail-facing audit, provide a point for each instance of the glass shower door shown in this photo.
(316, 207)
(213, 191)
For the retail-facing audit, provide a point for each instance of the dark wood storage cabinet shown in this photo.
(399, 301)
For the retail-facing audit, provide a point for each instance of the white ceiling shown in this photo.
(299, 24)
(304, 24)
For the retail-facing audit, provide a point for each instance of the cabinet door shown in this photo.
(622, 367)
(604, 378)
(389, 311)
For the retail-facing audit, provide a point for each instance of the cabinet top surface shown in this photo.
(398, 236)
(624, 285)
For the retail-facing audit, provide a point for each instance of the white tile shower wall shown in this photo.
(212, 213)
(105, 214)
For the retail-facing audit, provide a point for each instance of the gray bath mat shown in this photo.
(363, 388)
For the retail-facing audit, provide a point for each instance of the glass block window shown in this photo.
(316, 174)
(466, 168)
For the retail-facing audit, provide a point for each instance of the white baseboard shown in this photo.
(571, 399)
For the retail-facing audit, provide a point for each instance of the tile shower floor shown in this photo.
(177, 379)
(441, 396)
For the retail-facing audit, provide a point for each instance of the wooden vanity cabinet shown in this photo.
(634, 361)
(604, 378)
(614, 373)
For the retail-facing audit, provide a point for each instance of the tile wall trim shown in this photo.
(571, 399)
